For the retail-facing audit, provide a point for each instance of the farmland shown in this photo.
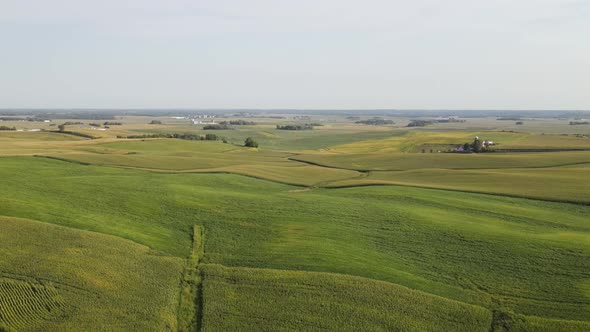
(343, 227)
(77, 280)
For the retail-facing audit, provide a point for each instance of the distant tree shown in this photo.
(211, 137)
(376, 122)
(216, 127)
(238, 123)
(7, 118)
(61, 127)
(518, 123)
(155, 122)
(306, 126)
(419, 123)
(249, 142)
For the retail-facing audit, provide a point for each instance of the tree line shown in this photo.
(307, 126)
(217, 127)
(249, 142)
(375, 122)
(419, 123)
(186, 136)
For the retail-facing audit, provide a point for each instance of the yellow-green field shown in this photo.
(415, 141)
(62, 279)
(566, 184)
(263, 299)
(345, 227)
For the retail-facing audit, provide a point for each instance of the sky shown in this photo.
(304, 54)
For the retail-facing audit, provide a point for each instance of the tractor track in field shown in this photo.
(188, 171)
(332, 167)
(447, 168)
(456, 190)
(43, 281)
(23, 304)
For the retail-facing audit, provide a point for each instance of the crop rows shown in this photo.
(23, 304)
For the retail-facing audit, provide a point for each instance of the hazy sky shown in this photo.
(460, 54)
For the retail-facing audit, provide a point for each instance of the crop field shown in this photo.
(416, 141)
(404, 162)
(345, 227)
(65, 279)
(255, 299)
(24, 305)
(551, 183)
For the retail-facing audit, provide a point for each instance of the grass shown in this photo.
(249, 299)
(29, 143)
(414, 161)
(532, 175)
(550, 142)
(172, 155)
(416, 140)
(56, 278)
(12, 136)
(271, 138)
(329, 169)
(460, 246)
(260, 299)
(24, 304)
(565, 184)
(271, 255)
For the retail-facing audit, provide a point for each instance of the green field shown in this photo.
(345, 227)
(77, 280)
(255, 299)
(566, 184)
(413, 161)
